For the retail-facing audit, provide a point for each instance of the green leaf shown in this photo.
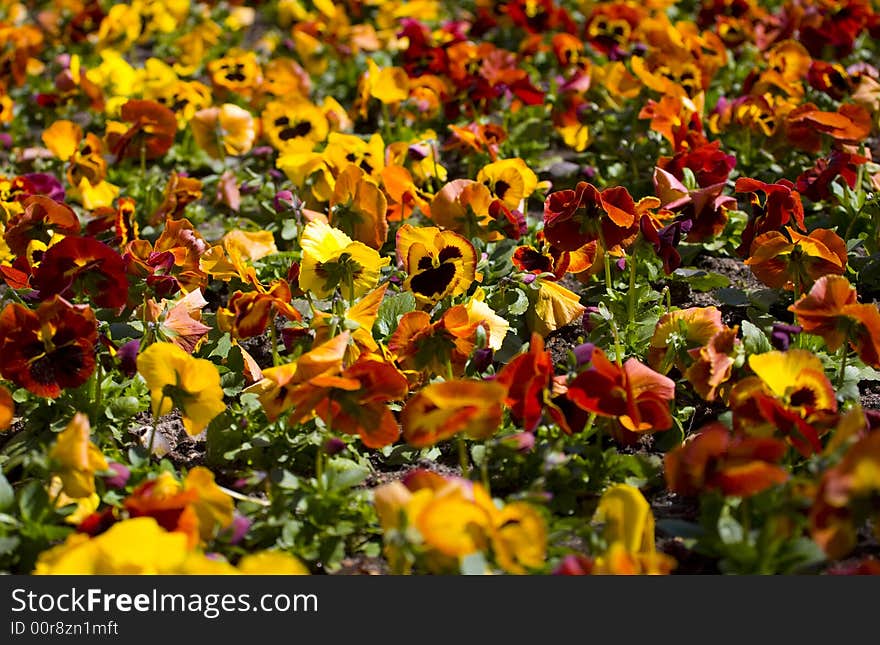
(755, 341)
(701, 280)
(33, 502)
(390, 311)
(224, 344)
(7, 495)
(732, 297)
(517, 302)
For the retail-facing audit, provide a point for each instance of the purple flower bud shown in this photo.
(586, 321)
(5, 140)
(482, 359)
(621, 264)
(529, 278)
(583, 353)
(240, 526)
(781, 335)
(120, 479)
(262, 151)
(589, 172)
(333, 446)
(128, 357)
(63, 60)
(284, 200)
(276, 174)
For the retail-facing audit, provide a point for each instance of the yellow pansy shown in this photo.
(62, 138)
(177, 380)
(438, 263)
(629, 532)
(552, 306)
(77, 458)
(793, 375)
(229, 126)
(358, 207)
(330, 259)
(510, 180)
(482, 314)
(389, 84)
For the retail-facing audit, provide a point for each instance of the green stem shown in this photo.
(273, 340)
(631, 308)
(842, 356)
(463, 459)
(607, 258)
(589, 428)
(618, 350)
(96, 389)
(484, 468)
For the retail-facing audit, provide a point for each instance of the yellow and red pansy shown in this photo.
(438, 263)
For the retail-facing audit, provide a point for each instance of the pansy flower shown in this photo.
(628, 530)
(343, 149)
(815, 183)
(831, 310)
(437, 348)
(82, 265)
(177, 380)
(331, 259)
(248, 313)
(225, 130)
(358, 207)
(454, 518)
(632, 393)
(76, 458)
(294, 125)
(462, 206)
(179, 192)
(715, 459)
(476, 138)
(238, 72)
(301, 385)
(846, 499)
(173, 262)
(403, 195)
(509, 180)
(197, 508)
(356, 403)
(151, 133)
(797, 261)
(573, 218)
(179, 322)
(7, 409)
(780, 204)
(712, 364)
(610, 25)
(677, 332)
(704, 208)
(184, 98)
(443, 409)
(851, 124)
(790, 395)
(117, 226)
(50, 349)
(527, 379)
(438, 263)
(551, 306)
(41, 218)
